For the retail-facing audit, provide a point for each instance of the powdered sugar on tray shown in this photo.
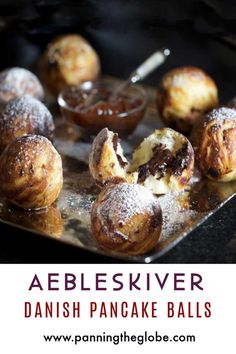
(69, 149)
(173, 215)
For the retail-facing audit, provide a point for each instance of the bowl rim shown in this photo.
(63, 104)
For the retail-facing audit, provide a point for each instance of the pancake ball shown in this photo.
(31, 175)
(214, 142)
(68, 60)
(185, 94)
(107, 163)
(17, 82)
(126, 218)
(164, 161)
(22, 116)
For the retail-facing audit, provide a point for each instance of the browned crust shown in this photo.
(97, 147)
(31, 174)
(54, 59)
(183, 165)
(29, 84)
(214, 144)
(15, 124)
(139, 234)
(105, 163)
(167, 107)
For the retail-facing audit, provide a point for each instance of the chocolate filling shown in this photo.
(115, 141)
(181, 160)
(162, 160)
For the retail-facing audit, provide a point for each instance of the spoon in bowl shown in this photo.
(151, 63)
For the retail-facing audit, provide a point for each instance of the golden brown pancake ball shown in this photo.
(22, 116)
(68, 60)
(16, 82)
(126, 218)
(107, 162)
(184, 95)
(214, 142)
(31, 175)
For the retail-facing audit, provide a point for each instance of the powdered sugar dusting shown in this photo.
(27, 110)
(15, 82)
(25, 149)
(124, 200)
(220, 114)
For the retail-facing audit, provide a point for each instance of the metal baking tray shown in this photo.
(68, 220)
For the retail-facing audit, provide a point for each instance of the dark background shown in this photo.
(124, 33)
